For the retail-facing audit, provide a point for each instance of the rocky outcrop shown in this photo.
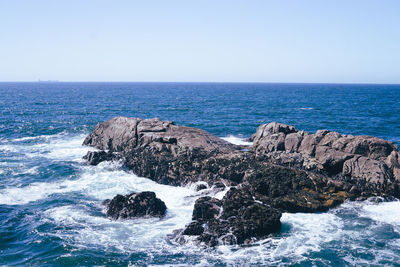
(236, 219)
(144, 204)
(292, 190)
(285, 170)
(159, 150)
(370, 164)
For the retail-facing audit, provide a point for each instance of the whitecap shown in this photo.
(8, 148)
(59, 147)
(385, 212)
(99, 182)
(237, 140)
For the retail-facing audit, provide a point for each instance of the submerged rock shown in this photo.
(144, 204)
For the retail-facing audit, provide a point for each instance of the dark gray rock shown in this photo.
(95, 157)
(144, 204)
(237, 219)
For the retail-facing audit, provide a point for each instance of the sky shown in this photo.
(349, 41)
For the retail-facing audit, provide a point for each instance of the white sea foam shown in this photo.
(8, 148)
(307, 233)
(80, 226)
(59, 147)
(237, 140)
(105, 181)
(385, 212)
(305, 108)
(100, 182)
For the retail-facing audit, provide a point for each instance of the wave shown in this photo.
(237, 140)
(58, 147)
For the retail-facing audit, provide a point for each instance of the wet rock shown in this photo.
(237, 219)
(144, 204)
(95, 157)
(293, 190)
(194, 228)
(200, 187)
(206, 208)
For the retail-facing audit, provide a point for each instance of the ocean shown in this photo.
(51, 211)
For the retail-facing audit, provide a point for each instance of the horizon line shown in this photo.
(204, 82)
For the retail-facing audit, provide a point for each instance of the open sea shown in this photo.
(50, 200)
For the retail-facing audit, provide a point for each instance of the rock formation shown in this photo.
(285, 170)
(144, 204)
(236, 219)
(368, 163)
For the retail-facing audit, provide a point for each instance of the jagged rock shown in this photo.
(331, 160)
(335, 155)
(329, 138)
(269, 143)
(237, 219)
(367, 146)
(206, 208)
(316, 172)
(293, 141)
(200, 187)
(135, 205)
(308, 145)
(294, 190)
(95, 157)
(271, 137)
(372, 171)
(159, 150)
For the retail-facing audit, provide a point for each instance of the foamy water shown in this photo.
(237, 140)
(79, 220)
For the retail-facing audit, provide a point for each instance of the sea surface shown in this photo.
(50, 200)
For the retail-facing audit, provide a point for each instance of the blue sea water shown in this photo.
(50, 200)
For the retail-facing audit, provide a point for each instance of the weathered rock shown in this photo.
(316, 172)
(159, 150)
(331, 160)
(273, 142)
(271, 137)
(237, 219)
(143, 204)
(308, 145)
(372, 171)
(95, 157)
(335, 155)
(206, 208)
(293, 141)
(368, 146)
(294, 190)
(329, 138)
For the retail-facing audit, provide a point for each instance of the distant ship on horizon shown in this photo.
(48, 81)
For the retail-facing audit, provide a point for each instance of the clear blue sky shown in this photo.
(209, 40)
